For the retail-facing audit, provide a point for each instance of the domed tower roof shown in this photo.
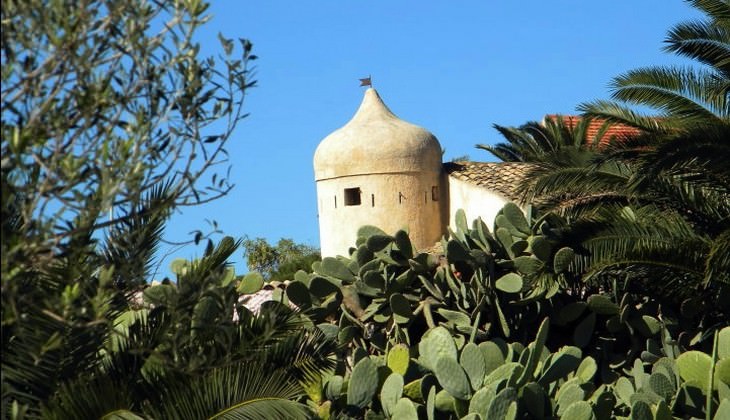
(376, 141)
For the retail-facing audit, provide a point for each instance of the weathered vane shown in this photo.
(366, 82)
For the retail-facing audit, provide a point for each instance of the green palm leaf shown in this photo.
(239, 391)
(717, 10)
(533, 141)
(95, 397)
(131, 244)
(616, 113)
(702, 41)
(717, 266)
(680, 92)
(686, 96)
(642, 240)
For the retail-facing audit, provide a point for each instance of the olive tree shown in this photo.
(102, 101)
(111, 119)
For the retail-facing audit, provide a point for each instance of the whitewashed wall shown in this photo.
(476, 202)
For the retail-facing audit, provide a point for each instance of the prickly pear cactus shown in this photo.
(499, 328)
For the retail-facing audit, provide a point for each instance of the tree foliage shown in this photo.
(111, 119)
(280, 261)
(684, 96)
(182, 350)
(559, 138)
(652, 208)
(101, 103)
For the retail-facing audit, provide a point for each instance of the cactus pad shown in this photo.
(452, 378)
(251, 283)
(363, 383)
(398, 358)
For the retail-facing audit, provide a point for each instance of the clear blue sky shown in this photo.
(453, 67)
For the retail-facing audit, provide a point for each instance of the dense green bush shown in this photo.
(188, 349)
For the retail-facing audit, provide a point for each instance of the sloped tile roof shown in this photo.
(503, 177)
(617, 131)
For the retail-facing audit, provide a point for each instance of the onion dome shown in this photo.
(375, 141)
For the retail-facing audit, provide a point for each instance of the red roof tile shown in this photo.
(614, 131)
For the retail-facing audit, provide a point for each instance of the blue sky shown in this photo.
(453, 67)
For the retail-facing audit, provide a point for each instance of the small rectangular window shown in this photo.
(372, 198)
(352, 196)
(435, 193)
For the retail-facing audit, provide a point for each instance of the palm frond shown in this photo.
(614, 112)
(130, 354)
(93, 397)
(654, 245)
(131, 244)
(239, 391)
(519, 147)
(717, 266)
(47, 350)
(274, 321)
(717, 10)
(675, 91)
(552, 182)
(215, 261)
(501, 151)
(306, 354)
(689, 172)
(703, 41)
(557, 136)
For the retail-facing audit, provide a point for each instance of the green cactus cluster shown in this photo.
(498, 380)
(494, 277)
(693, 385)
(455, 337)
(385, 293)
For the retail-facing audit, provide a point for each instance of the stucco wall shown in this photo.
(390, 201)
(475, 201)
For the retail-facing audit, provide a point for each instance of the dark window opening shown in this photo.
(435, 193)
(335, 201)
(400, 197)
(372, 198)
(352, 196)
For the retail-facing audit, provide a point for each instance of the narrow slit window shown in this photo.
(335, 201)
(372, 199)
(352, 196)
(435, 193)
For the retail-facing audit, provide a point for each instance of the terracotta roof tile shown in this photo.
(502, 177)
(617, 131)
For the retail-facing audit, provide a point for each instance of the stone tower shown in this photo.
(378, 170)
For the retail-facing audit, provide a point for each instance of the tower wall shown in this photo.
(413, 201)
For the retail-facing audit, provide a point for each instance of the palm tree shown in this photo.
(557, 137)
(261, 377)
(684, 96)
(652, 208)
(567, 170)
(673, 223)
(679, 177)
